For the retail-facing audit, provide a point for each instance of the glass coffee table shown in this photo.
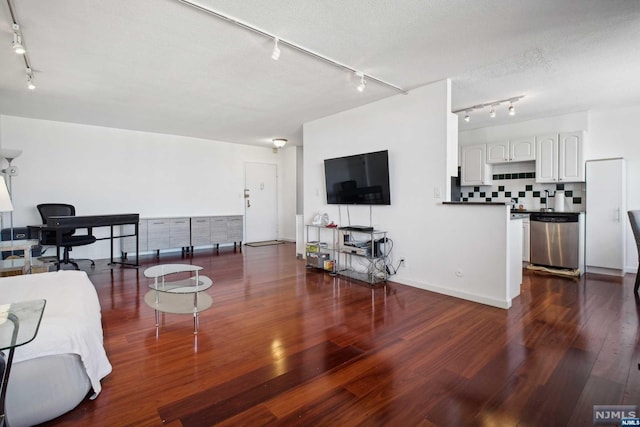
(19, 323)
(182, 295)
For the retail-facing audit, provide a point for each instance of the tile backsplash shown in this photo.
(516, 182)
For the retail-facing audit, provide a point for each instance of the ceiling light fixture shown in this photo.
(279, 142)
(275, 55)
(362, 83)
(30, 84)
(492, 107)
(17, 44)
(289, 44)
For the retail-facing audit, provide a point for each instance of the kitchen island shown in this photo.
(487, 268)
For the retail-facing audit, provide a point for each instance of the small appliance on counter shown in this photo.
(559, 201)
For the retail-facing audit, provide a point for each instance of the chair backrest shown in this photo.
(634, 219)
(57, 209)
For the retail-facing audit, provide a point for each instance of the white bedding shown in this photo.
(71, 323)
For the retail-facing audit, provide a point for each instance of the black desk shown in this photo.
(58, 224)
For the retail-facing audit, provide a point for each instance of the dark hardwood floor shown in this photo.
(283, 345)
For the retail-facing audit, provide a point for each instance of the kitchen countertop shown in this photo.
(476, 203)
(514, 211)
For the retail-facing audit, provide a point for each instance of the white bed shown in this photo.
(52, 374)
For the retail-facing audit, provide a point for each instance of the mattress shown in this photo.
(54, 372)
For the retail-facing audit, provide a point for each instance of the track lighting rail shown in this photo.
(291, 45)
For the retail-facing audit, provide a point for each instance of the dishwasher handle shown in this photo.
(554, 218)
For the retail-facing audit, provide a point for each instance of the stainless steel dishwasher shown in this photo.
(555, 239)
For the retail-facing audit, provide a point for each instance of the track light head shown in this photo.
(492, 112)
(467, 117)
(363, 82)
(275, 55)
(17, 46)
(512, 110)
(30, 84)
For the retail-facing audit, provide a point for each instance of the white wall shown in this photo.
(104, 170)
(287, 193)
(436, 240)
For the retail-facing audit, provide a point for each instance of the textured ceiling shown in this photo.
(162, 66)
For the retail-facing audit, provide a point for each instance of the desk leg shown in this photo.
(58, 244)
(137, 243)
(111, 262)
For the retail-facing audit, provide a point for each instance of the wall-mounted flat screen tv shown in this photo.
(362, 179)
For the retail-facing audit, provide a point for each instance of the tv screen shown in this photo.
(362, 179)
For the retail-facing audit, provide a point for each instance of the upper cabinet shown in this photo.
(513, 150)
(560, 157)
(474, 167)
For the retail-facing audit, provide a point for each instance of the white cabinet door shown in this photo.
(498, 152)
(474, 169)
(158, 234)
(128, 244)
(526, 248)
(522, 149)
(570, 157)
(200, 231)
(219, 230)
(235, 229)
(179, 232)
(547, 158)
(606, 214)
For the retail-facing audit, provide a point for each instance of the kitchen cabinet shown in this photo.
(606, 219)
(474, 168)
(526, 235)
(560, 157)
(571, 157)
(512, 150)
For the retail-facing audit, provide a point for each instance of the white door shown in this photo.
(606, 216)
(260, 203)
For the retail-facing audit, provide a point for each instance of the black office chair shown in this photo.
(634, 218)
(69, 239)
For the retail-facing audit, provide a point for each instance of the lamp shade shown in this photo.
(5, 199)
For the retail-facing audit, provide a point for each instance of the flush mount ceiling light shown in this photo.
(18, 45)
(292, 45)
(279, 142)
(493, 105)
(275, 55)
